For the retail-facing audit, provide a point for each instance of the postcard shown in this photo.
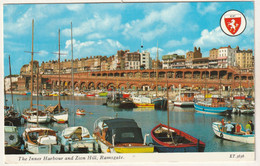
(129, 82)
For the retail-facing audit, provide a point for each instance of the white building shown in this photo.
(8, 83)
(146, 60)
(227, 56)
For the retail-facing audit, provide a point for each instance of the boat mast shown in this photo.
(37, 99)
(11, 85)
(59, 72)
(72, 75)
(157, 71)
(32, 67)
(168, 113)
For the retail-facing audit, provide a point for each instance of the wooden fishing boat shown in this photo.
(185, 99)
(120, 135)
(237, 137)
(77, 139)
(142, 101)
(216, 105)
(41, 141)
(169, 139)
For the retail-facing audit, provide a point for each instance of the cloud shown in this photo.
(43, 53)
(179, 52)
(214, 38)
(153, 52)
(211, 8)
(175, 43)
(92, 48)
(104, 25)
(95, 36)
(156, 22)
(75, 7)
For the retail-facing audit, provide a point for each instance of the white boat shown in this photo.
(142, 101)
(238, 137)
(184, 99)
(120, 135)
(31, 116)
(245, 109)
(41, 141)
(56, 115)
(77, 139)
(79, 94)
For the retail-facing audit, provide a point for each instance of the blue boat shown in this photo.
(216, 105)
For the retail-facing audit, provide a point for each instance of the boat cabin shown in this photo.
(187, 96)
(218, 102)
(121, 130)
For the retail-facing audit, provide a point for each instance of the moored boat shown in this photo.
(216, 105)
(120, 135)
(41, 141)
(169, 139)
(160, 103)
(102, 94)
(80, 112)
(185, 99)
(237, 137)
(57, 114)
(12, 140)
(142, 101)
(77, 140)
(245, 109)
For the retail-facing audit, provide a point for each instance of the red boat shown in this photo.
(239, 97)
(80, 112)
(90, 95)
(169, 139)
(126, 95)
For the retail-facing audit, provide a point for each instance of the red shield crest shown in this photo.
(233, 24)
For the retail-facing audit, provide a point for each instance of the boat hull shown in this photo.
(144, 105)
(160, 104)
(60, 117)
(232, 137)
(40, 119)
(162, 144)
(42, 149)
(212, 110)
(183, 104)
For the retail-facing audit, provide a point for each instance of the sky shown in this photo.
(102, 29)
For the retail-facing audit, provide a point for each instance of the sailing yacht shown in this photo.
(11, 114)
(58, 113)
(39, 140)
(76, 139)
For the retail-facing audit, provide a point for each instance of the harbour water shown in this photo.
(185, 119)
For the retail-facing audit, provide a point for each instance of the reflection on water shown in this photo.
(185, 119)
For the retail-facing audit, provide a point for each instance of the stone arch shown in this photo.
(98, 74)
(122, 86)
(104, 74)
(100, 85)
(145, 87)
(91, 85)
(133, 86)
(110, 75)
(123, 74)
(170, 74)
(223, 74)
(188, 74)
(179, 74)
(93, 74)
(111, 86)
(83, 85)
(213, 75)
(116, 74)
(161, 74)
(196, 74)
(145, 74)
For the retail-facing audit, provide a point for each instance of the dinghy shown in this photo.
(77, 140)
(237, 137)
